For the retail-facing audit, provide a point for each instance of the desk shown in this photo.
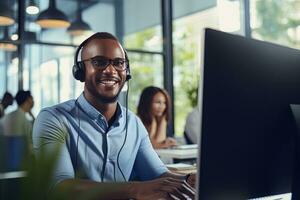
(177, 155)
(286, 196)
(13, 174)
(10, 184)
(182, 168)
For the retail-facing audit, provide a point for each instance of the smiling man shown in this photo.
(105, 151)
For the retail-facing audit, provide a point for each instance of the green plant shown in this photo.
(39, 174)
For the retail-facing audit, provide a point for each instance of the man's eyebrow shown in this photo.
(108, 57)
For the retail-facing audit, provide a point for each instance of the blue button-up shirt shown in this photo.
(90, 147)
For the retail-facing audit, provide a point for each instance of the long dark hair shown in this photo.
(144, 106)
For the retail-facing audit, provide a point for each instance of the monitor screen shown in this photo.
(248, 130)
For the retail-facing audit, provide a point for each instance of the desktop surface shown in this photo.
(286, 196)
(177, 153)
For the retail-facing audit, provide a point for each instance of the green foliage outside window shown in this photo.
(279, 21)
(186, 73)
(146, 69)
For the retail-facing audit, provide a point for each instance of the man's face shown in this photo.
(103, 84)
(30, 102)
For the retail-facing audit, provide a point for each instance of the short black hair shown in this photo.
(7, 95)
(99, 36)
(102, 35)
(22, 96)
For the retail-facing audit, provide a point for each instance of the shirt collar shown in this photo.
(92, 111)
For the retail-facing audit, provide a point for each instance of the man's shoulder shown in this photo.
(13, 113)
(195, 113)
(130, 114)
(64, 107)
(67, 105)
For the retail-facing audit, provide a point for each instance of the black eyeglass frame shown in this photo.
(109, 62)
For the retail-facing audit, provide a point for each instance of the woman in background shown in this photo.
(154, 111)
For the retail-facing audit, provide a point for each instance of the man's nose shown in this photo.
(110, 69)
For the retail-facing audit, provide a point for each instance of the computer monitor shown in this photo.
(248, 130)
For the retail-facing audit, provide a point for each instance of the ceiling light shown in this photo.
(78, 27)
(6, 44)
(6, 15)
(14, 37)
(32, 8)
(52, 17)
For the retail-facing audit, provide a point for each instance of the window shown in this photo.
(276, 21)
(187, 40)
(146, 70)
(146, 67)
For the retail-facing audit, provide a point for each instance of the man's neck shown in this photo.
(23, 108)
(106, 109)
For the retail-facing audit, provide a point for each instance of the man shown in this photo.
(99, 139)
(16, 123)
(6, 101)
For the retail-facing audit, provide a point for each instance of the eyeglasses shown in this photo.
(103, 62)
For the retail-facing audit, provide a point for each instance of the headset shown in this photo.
(78, 71)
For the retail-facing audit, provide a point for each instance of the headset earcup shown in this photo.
(79, 71)
(128, 76)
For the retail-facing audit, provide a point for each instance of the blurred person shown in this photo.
(16, 123)
(154, 111)
(192, 126)
(6, 101)
(105, 149)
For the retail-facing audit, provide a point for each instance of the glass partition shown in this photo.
(146, 69)
(2, 74)
(48, 74)
(187, 44)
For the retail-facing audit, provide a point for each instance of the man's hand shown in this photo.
(165, 189)
(191, 180)
(170, 142)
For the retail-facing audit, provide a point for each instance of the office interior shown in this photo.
(163, 38)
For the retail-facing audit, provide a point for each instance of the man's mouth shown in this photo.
(108, 82)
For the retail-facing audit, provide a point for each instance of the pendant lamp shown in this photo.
(6, 14)
(78, 27)
(52, 17)
(7, 46)
(32, 8)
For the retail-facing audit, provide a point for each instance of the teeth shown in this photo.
(108, 82)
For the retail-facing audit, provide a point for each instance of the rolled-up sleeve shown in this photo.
(49, 137)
